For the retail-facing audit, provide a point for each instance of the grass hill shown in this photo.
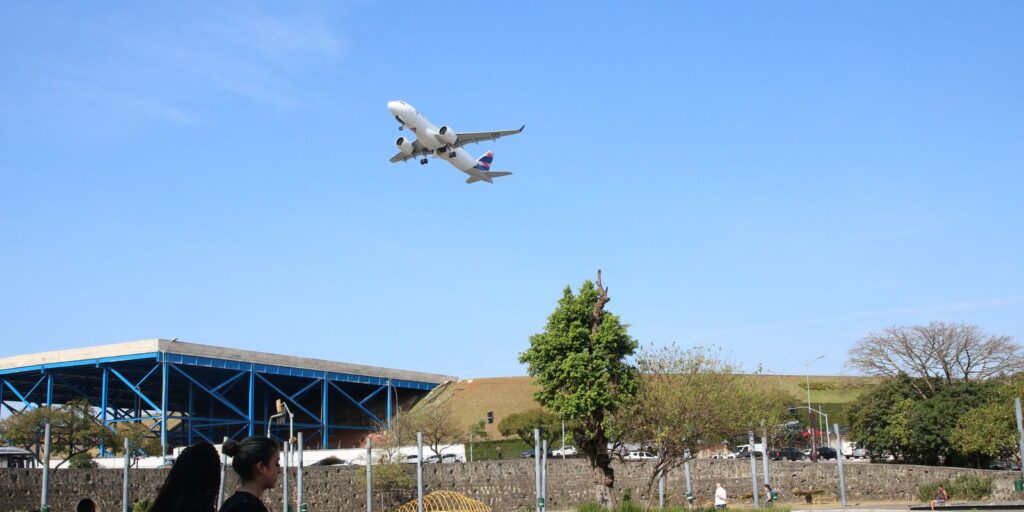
(470, 399)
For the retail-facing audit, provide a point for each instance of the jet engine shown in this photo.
(447, 135)
(404, 145)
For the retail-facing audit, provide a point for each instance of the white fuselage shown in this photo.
(428, 135)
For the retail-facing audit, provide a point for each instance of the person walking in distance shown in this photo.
(769, 495)
(193, 482)
(256, 460)
(721, 497)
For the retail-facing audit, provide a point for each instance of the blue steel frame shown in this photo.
(228, 389)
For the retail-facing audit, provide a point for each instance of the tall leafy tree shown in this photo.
(692, 399)
(580, 363)
(522, 424)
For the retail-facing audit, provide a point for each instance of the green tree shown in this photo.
(896, 418)
(692, 399)
(141, 439)
(73, 430)
(579, 361)
(989, 431)
(879, 419)
(522, 424)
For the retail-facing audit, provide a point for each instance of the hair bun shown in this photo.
(230, 448)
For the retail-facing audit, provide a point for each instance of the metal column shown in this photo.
(324, 414)
(390, 390)
(191, 413)
(103, 407)
(163, 408)
(252, 399)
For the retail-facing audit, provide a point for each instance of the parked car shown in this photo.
(859, 453)
(1004, 465)
(745, 454)
(789, 453)
(638, 456)
(411, 459)
(568, 451)
(825, 452)
(528, 454)
(807, 453)
(447, 458)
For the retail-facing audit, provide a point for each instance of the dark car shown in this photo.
(786, 453)
(528, 454)
(826, 453)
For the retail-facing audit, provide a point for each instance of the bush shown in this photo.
(970, 487)
(143, 505)
(82, 461)
(964, 487)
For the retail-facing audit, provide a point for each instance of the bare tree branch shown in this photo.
(937, 353)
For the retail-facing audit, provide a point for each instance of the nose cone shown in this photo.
(398, 107)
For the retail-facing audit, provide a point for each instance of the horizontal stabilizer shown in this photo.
(489, 174)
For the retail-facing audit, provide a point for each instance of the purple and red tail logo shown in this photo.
(484, 163)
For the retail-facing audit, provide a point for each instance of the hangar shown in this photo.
(189, 392)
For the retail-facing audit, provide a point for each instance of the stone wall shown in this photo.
(507, 485)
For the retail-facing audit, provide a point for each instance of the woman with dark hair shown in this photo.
(193, 482)
(256, 461)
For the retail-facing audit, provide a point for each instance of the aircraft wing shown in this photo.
(417, 148)
(474, 137)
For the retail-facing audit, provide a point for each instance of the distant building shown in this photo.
(185, 392)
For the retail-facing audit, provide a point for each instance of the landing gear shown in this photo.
(451, 155)
(423, 161)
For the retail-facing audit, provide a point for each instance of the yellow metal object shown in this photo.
(446, 501)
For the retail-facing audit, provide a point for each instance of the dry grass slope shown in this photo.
(469, 400)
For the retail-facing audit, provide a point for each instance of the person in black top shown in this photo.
(193, 482)
(257, 463)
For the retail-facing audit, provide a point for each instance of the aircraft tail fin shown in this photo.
(489, 174)
(484, 163)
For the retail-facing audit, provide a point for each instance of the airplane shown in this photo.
(444, 143)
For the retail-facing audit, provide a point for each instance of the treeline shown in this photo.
(947, 398)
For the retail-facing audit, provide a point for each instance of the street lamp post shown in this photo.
(810, 424)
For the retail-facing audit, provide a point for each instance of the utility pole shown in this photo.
(536, 465)
(1020, 430)
(839, 460)
(753, 469)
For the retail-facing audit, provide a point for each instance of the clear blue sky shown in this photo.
(774, 178)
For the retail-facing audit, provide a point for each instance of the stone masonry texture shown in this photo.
(506, 485)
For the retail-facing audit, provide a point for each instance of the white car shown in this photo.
(568, 451)
(638, 456)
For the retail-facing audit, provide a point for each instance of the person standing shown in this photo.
(769, 496)
(721, 497)
(193, 482)
(257, 461)
(499, 452)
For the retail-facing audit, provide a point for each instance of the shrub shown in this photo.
(82, 461)
(964, 487)
(970, 487)
(143, 505)
(590, 506)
